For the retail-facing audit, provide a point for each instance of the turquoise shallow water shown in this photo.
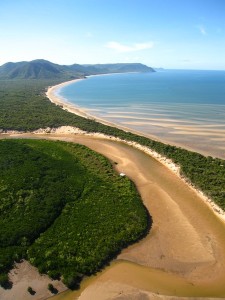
(180, 107)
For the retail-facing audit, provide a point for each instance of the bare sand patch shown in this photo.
(24, 275)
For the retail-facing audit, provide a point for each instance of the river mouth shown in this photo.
(183, 255)
(122, 275)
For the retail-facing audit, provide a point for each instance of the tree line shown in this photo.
(25, 107)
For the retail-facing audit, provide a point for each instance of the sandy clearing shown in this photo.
(24, 275)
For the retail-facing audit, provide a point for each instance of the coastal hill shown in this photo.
(43, 69)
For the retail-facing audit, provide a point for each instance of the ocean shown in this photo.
(181, 107)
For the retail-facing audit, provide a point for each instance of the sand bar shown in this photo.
(180, 252)
(163, 129)
(184, 253)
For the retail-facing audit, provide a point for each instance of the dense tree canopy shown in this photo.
(48, 189)
(64, 208)
(25, 107)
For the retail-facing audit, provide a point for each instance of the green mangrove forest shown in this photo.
(25, 107)
(47, 189)
(64, 208)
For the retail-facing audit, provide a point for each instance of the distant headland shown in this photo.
(43, 69)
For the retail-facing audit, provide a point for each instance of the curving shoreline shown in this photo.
(172, 167)
(71, 107)
(109, 283)
(62, 102)
(167, 162)
(205, 138)
(185, 248)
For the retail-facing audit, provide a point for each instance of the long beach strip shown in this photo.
(184, 252)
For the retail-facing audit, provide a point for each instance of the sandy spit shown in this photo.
(161, 238)
(24, 275)
(165, 161)
(162, 159)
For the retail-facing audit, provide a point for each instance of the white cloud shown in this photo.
(202, 30)
(124, 48)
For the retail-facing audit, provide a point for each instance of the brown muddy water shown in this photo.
(184, 253)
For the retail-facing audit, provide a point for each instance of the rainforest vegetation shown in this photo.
(47, 189)
(25, 107)
(43, 69)
(64, 208)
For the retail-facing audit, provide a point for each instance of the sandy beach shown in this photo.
(71, 107)
(184, 251)
(195, 135)
(62, 102)
(51, 94)
(182, 256)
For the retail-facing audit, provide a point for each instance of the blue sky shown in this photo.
(183, 34)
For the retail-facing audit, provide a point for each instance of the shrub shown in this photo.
(30, 290)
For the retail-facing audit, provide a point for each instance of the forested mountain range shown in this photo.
(43, 69)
